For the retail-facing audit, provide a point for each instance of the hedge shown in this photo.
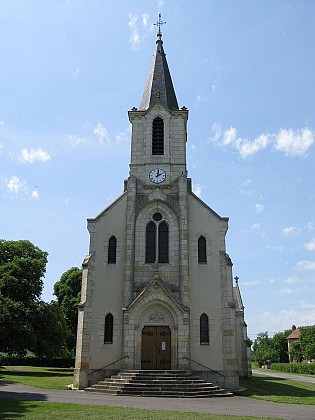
(305, 368)
(36, 361)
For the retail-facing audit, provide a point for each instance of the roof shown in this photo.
(159, 84)
(295, 334)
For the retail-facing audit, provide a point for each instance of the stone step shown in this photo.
(168, 383)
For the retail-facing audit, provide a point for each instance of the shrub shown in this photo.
(304, 368)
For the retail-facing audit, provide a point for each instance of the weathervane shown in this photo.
(159, 23)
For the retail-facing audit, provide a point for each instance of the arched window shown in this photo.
(204, 329)
(108, 329)
(156, 247)
(150, 251)
(158, 136)
(163, 243)
(112, 246)
(202, 250)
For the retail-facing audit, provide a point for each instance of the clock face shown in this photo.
(157, 176)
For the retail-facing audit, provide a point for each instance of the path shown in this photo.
(241, 406)
(284, 375)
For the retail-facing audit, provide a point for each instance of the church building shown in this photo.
(157, 284)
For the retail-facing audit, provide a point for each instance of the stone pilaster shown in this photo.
(130, 239)
(183, 240)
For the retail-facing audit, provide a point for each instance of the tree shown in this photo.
(280, 343)
(296, 352)
(263, 349)
(307, 341)
(68, 292)
(26, 322)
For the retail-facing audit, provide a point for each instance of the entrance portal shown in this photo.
(156, 348)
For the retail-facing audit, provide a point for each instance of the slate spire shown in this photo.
(159, 84)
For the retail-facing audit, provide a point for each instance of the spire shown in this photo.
(159, 84)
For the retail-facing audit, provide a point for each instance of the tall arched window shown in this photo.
(204, 329)
(156, 246)
(163, 243)
(112, 246)
(108, 329)
(202, 250)
(158, 136)
(150, 251)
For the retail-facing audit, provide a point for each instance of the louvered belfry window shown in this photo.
(157, 238)
(158, 136)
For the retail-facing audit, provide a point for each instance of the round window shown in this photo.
(157, 217)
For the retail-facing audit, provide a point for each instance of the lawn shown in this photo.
(56, 411)
(283, 391)
(38, 377)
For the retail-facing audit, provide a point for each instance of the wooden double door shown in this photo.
(156, 348)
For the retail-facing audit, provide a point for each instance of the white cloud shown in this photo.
(1, 148)
(248, 148)
(76, 140)
(29, 156)
(1, 123)
(138, 31)
(122, 137)
(309, 226)
(275, 247)
(250, 283)
(310, 246)
(101, 132)
(229, 136)
(145, 20)
(35, 194)
(291, 230)
(255, 226)
(259, 208)
(197, 189)
(305, 265)
(15, 185)
(271, 281)
(292, 280)
(294, 143)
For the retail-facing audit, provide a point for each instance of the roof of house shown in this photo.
(295, 334)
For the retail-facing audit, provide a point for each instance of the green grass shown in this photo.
(279, 390)
(38, 377)
(51, 411)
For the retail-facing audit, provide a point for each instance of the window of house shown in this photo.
(158, 136)
(112, 247)
(108, 329)
(204, 329)
(157, 241)
(202, 250)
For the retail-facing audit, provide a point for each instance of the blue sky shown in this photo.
(70, 71)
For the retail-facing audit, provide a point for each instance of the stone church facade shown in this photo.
(157, 286)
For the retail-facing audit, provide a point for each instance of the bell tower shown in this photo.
(159, 128)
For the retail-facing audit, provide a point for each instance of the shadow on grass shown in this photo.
(267, 386)
(12, 404)
(47, 373)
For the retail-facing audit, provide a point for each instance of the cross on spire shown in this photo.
(159, 23)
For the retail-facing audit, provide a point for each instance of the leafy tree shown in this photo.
(68, 292)
(26, 322)
(307, 341)
(296, 352)
(263, 349)
(280, 344)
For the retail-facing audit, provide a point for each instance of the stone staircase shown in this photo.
(158, 383)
